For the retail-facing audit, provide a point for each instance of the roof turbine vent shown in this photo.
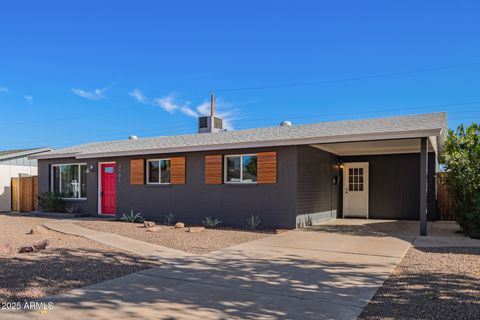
(285, 124)
(132, 137)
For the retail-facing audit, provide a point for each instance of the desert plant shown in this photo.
(308, 221)
(253, 222)
(71, 210)
(132, 217)
(169, 219)
(209, 222)
(51, 202)
(461, 161)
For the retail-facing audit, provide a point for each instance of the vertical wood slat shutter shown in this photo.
(137, 171)
(177, 170)
(267, 167)
(213, 169)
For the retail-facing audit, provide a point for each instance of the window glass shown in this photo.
(165, 171)
(83, 181)
(56, 179)
(153, 171)
(70, 180)
(233, 169)
(249, 172)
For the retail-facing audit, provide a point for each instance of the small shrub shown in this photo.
(51, 202)
(132, 217)
(253, 222)
(308, 221)
(72, 210)
(210, 222)
(169, 219)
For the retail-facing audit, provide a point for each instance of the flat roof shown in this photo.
(398, 127)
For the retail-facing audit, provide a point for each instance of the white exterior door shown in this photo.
(355, 189)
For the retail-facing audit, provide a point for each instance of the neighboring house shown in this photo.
(13, 163)
(374, 168)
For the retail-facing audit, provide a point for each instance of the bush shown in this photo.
(51, 202)
(132, 217)
(461, 160)
(169, 219)
(210, 222)
(253, 222)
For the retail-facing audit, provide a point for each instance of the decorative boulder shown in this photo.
(196, 229)
(38, 229)
(179, 225)
(37, 246)
(148, 224)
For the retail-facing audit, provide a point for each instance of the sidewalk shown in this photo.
(123, 243)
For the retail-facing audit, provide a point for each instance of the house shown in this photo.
(286, 175)
(12, 164)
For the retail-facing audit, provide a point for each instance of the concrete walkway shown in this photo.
(327, 272)
(113, 240)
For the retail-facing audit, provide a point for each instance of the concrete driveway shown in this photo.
(326, 272)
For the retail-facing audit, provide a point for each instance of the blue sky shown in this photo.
(73, 72)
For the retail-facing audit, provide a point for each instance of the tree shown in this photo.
(461, 160)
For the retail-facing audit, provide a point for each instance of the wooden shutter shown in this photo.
(137, 171)
(213, 169)
(177, 170)
(267, 167)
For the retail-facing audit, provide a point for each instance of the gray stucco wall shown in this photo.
(317, 195)
(394, 185)
(274, 203)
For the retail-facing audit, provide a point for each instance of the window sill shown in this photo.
(75, 199)
(240, 184)
(158, 185)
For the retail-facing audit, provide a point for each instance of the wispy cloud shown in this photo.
(167, 103)
(5, 90)
(189, 112)
(228, 112)
(29, 99)
(97, 94)
(139, 96)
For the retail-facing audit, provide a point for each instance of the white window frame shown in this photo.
(159, 171)
(225, 169)
(60, 181)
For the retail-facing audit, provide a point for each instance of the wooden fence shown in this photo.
(445, 201)
(24, 193)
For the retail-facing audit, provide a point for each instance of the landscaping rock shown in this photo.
(148, 224)
(179, 225)
(154, 229)
(37, 246)
(196, 229)
(38, 229)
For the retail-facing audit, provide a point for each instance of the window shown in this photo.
(241, 168)
(158, 171)
(355, 179)
(70, 180)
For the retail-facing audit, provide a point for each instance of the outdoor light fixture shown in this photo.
(89, 169)
(340, 164)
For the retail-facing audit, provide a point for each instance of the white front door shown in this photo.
(355, 189)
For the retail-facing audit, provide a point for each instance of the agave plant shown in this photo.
(132, 217)
(169, 219)
(253, 222)
(210, 222)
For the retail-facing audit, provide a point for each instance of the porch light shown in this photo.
(89, 169)
(340, 164)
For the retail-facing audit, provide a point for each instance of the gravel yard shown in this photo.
(430, 283)
(193, 242)
(68, 262)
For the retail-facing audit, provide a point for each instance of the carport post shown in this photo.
(423, 186)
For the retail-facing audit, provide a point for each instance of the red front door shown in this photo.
(108, 191)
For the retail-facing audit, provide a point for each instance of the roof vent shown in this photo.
(285, 124)
(133, 137)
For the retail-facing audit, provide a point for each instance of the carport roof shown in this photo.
(398, 127)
